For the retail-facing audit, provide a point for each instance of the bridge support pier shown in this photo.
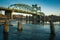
(36, 19)
(26, 19)
(29, 19)
(8, 13)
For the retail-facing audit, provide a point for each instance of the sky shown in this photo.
(49, 7)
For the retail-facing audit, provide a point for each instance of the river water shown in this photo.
(30, 32)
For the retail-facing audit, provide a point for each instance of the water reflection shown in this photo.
(5, 36)
(52, 36)
(20, 30)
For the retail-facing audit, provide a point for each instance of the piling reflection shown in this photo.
(5, 36)
(52, 36)
(20, 30)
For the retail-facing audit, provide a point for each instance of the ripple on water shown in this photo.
(30, 32)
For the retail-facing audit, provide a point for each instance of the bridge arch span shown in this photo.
(21, 7)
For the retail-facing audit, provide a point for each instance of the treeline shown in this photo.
(54, 18)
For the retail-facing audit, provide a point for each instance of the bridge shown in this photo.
(22, 8)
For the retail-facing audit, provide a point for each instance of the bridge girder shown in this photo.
(27, 7)
(21, 7)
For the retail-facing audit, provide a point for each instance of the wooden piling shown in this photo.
(19, 26)
(52, 29)
(6, 26)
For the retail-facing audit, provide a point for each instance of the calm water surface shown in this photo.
(30, 32)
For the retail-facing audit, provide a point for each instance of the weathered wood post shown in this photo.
(19, 26)
(6, 27)
(52, 29)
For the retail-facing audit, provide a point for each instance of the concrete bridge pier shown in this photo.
(34, 19)
(38, 19)
(43, 19)
(8, 13)
(29, 20)
(26, 19)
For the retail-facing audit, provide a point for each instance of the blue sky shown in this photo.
(47, 6)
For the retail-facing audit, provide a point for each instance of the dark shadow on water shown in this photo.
(20, 30)
(52, 36)
(5, 36)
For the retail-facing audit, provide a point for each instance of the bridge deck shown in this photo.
(15, 10)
